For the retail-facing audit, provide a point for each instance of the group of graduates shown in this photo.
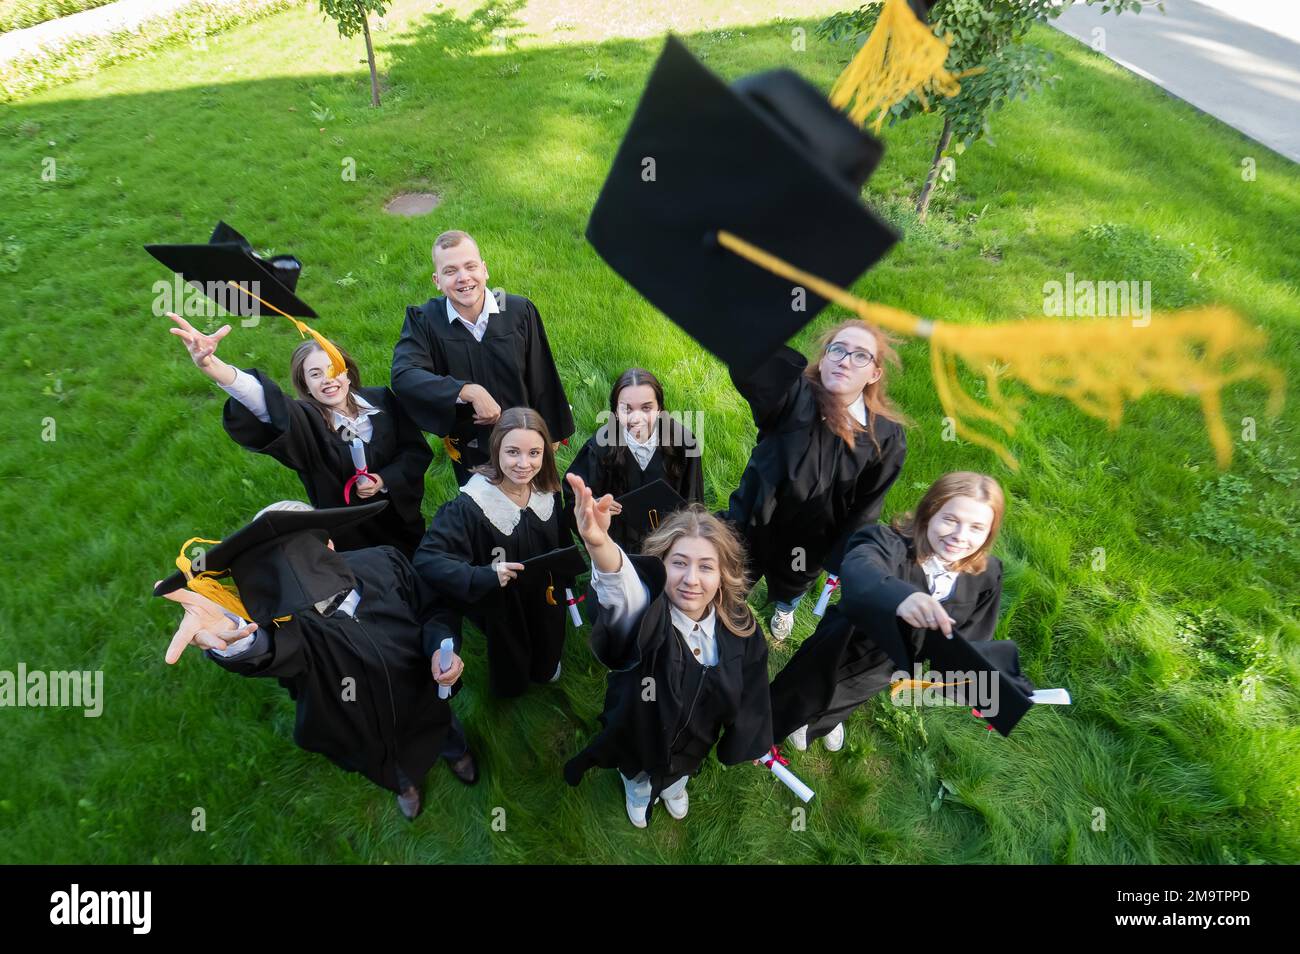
(356, 605)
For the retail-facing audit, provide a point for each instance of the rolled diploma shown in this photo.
(1050, 697)
(445, 652)
(358, 453)
(831, 582)
(573, 608)
(788, 778)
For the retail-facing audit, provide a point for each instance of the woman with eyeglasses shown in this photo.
(830, 444)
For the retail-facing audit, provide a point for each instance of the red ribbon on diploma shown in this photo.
(347, 488)
(575, 600)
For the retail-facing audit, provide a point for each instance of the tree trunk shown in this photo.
(923, 203)
(370, 55)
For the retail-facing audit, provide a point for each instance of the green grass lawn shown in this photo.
(1181, 653)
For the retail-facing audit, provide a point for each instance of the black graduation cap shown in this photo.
(227, 261)
(648, 505)
(563, 564)
(279, 562)
(997, 659)
(768, 159)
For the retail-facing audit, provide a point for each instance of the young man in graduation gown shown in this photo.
(688, 666)
(925, 588)
(464, 356)
(354, 637)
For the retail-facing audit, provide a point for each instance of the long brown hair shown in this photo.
(521, 419)
(959, 483)
(875, 395)
(695, 521)
(299, 376)
(615, 450)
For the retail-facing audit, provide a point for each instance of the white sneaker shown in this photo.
(799, 738)
(835, 738)
(556, 678)
(679, 806)
(635, 814)
(782, 624)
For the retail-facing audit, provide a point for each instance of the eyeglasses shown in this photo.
(837, 351)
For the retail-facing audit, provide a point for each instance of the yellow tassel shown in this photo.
(449, 445)
(1097, 364)
(901, 56)
(909, 684)
(337, 364)
(205, 584)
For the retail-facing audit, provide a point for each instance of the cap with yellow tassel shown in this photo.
(230, 273)
(902, 56)
(749, 220)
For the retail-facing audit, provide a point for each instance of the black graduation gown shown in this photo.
(604, 476)
(298, 437)
(434, 358)
(396, 717)
(861, 643)
(803, 486)
(525, 633)
(694, 706)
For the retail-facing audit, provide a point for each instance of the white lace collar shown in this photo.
(501, 511)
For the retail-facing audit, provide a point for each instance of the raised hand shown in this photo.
(593, 515)
(200, 346)
(204, 625)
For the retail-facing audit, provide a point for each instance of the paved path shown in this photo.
(1242, 67)
(101, 21)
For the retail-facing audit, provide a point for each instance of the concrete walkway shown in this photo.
(1242, 67)
(101, 21)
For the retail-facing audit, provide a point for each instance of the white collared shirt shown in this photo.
(941, 580)
(477, 327)
(502, 512)
(624, 596)
(642, 452)
(859, 410)
(248, 391)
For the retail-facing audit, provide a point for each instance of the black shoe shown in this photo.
(465, 768)
(409, 803)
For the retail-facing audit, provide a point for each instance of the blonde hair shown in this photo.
(874, 395)
(449, 239)
(695, 521)
(959, 483)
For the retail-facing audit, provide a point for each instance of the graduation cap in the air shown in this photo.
(767, 159)
(279, 562)
(648, 505)
(229, 272)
